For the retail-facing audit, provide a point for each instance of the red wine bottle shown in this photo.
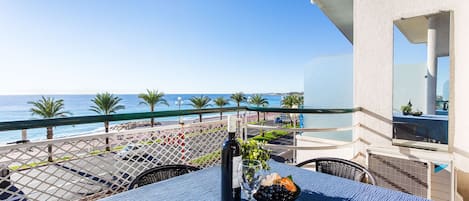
(230, 173)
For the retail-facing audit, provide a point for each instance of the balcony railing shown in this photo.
(90, 167)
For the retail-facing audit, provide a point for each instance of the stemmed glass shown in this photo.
(252, 175)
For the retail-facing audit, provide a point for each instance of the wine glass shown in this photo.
(252, 175)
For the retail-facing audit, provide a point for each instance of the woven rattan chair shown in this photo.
(341, 168)
(160, 173)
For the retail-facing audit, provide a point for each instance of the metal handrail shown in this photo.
(261, 127)
(41, 123)
(304, 110)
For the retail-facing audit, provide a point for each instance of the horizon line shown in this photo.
(133, 93)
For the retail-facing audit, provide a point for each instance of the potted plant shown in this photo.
(254, 150)
(407, 109)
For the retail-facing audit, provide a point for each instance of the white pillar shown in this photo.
(24, 135)
(431, 66)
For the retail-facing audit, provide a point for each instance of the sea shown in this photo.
(16, 107)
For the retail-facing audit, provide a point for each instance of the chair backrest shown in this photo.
(341, 168)
(160, 173)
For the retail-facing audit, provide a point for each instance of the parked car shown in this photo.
(134, 152)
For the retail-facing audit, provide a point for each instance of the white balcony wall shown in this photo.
(373, 69)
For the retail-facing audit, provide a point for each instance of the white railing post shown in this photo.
(24, 135)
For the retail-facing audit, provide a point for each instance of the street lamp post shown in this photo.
(180, 136)
(179, 102)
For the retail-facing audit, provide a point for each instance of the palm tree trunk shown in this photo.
(106, 126)
(221, 115)
(152, 122)
(258, 120)
(238, 111)
(264, 116)
(106, 129)
(200, 117)
(50, 135)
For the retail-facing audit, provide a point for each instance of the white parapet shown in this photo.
(318, 147)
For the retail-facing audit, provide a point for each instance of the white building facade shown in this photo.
(368, 24)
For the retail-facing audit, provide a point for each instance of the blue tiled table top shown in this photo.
(204, 185)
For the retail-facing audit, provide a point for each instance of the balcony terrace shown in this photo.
(94, 166)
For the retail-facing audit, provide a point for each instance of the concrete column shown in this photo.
(431, 66)
(24, 135)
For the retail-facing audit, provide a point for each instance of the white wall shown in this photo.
(373, 68)
(322, 151)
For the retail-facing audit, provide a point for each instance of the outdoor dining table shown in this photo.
(204, 185)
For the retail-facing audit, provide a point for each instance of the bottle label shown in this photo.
(236, 171)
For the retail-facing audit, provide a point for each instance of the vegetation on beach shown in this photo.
(257, 122)
(270, 135)
(291, 126)
(292, 101)
(200, 103)
(153, 98)
(49, 108)
(258, 101)
(221, 102)
(106, 104)
(238, 98)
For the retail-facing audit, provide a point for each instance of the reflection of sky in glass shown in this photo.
(409, 53)
(442, 88)
(329, 84)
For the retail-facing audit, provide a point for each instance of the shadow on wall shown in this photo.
(463, 184)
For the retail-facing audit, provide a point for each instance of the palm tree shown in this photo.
(153, 98)
(239, 98)
(258, 100)
(106, 104)
(48, 108)
(200, 103)
(290, 101)
(264, 106)
(301, 101)
(220, 102)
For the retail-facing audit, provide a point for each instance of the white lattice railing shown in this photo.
(95, 166)
(82, 169)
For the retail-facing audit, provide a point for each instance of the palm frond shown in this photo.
(220, 102)
(238, 97)
(153, 98)
(106, 103)
(200, 102)
(258, 100)
(48, 108)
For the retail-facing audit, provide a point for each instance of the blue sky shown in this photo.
(208, 46)
(177, 46)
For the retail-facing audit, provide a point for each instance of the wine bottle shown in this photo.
(230, 173)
